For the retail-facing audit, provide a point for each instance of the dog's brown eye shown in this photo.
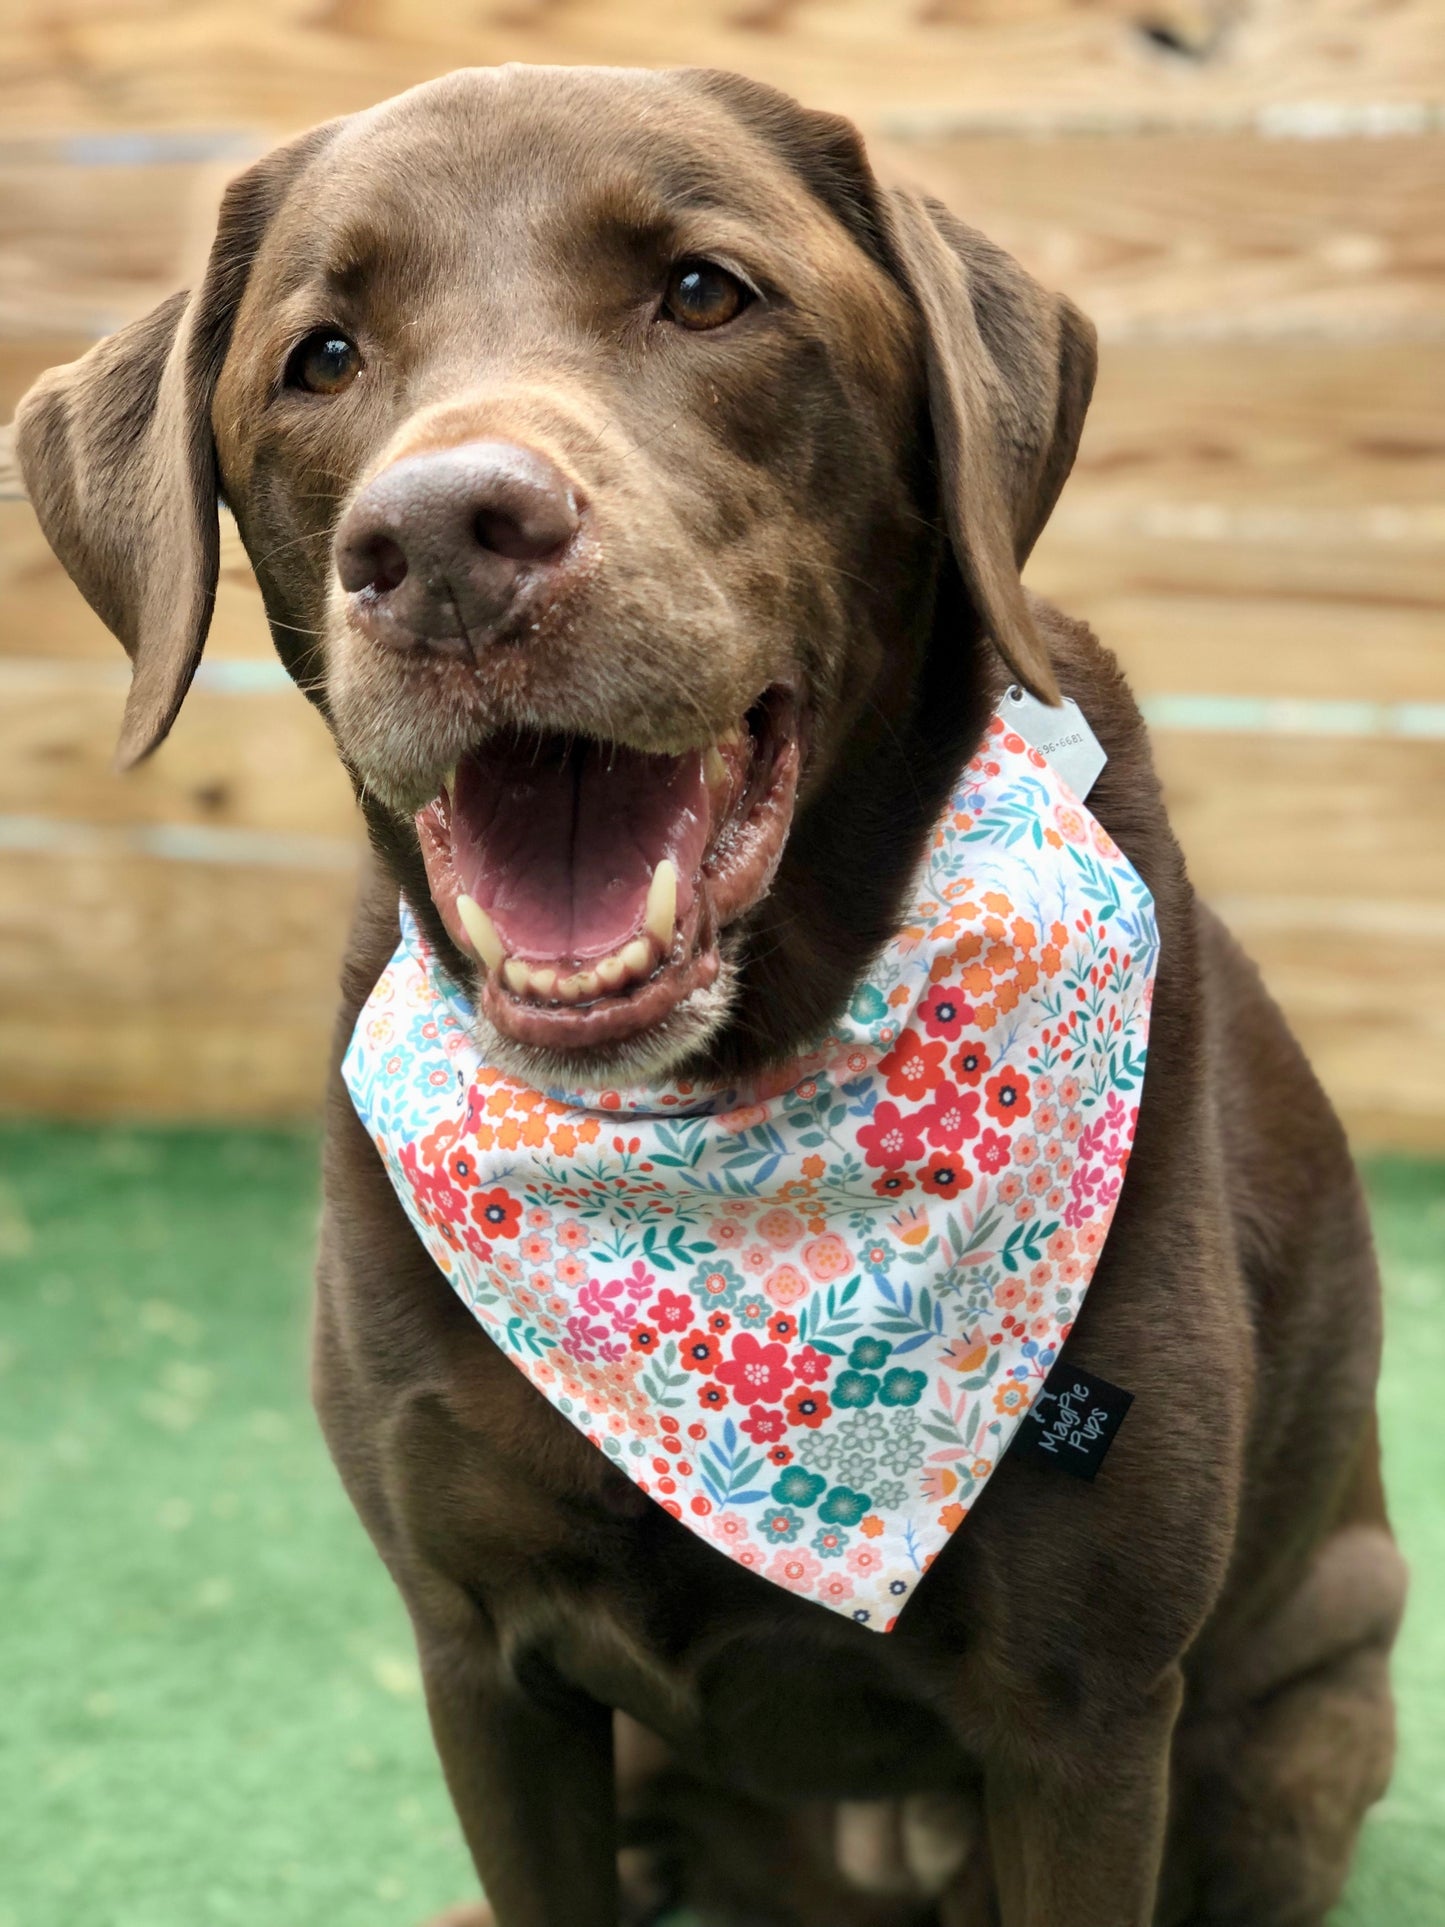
(700, 295)
(324, 363)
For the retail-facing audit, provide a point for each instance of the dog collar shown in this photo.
(808, 1317)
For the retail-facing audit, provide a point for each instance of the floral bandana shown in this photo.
(808, 1317)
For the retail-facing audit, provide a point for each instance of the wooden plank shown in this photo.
(1253, 424)
(85, 249)
(1356, 621)
(43, 613)
(1360, 985)
(109, 931)
(1322, 817)
(1181, 232)
(284, 63)
(257, 762)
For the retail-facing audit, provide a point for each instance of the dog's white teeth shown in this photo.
(578, 989)
(637, 957)
(730, 736)
(661, 915)
(714, 769)
(517, 975)
(481, 932)
(611, 970)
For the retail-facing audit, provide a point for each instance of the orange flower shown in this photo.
(996, 900)
(870, 1525)
(587, 1130)
(509, 1134)
(1024, 934)
(534, 1131)
(952, 1517)
(814, 1166)
(564, 1140)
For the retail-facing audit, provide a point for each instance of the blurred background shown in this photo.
(214, 1712)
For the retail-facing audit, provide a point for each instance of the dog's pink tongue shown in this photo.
(558, 841)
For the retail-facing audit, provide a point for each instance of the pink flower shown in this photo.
(795, 1568)
(757, 1258)
(575, 1236)
(835, 1587)
(1010, 1189)
(1026, 1149)
(758, 1374)
(1008, 1294)
(786, 1285)
(780, 1227)
(764, 1426)
(570, 1271)
(944, 1012)
(864, 1560)
(827, 1257)
(810, 1365)
(726, 1231)
(535, 1250)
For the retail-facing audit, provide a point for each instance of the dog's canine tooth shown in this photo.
(714, 769)
(661, 916)
(481, 931)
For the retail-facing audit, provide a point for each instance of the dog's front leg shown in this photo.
(1076, 1825)
(531, 1777)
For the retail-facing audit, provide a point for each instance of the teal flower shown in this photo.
(869, 1353)
(780, 1526)
(843, 1507)
(901, 1387)
(830, 1542)
(752, 1312)
(718, 1284)
(854, 1390)
(794, 1486)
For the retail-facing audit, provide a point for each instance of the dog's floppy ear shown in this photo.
(1010, 367)
(1010, 372)
(118, 458)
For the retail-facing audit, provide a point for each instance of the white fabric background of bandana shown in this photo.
(808, 1318)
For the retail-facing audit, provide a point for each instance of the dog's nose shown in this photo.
(439, 549)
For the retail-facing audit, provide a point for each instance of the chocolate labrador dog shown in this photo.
(626, 416)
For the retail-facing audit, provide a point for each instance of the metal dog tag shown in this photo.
(1062, 735)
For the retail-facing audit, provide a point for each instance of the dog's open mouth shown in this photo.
(591, 881)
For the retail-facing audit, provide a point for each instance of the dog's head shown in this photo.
(633, 482)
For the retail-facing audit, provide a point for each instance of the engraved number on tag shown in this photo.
(1061, 735)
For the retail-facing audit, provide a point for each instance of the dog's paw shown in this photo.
(914, 1846)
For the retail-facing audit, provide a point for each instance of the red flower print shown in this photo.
(893, 1185)
(780, 1455)
(699, 1353)
(811, 1365)
(499, 1211)
(783, 1326)
(891, 1138)
(807, 1407)
(992, 1152)
(712, 1396)
(673, 1310)
(462, 1169)
(945, 1012)
(951, 1119)
(763, 1425)
(1008, 1096)
(913, 1066)
(945, 1177)
(757, 1372)
(644, 1339)
(971, 1061)
(718, 1322)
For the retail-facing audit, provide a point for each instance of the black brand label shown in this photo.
(1073, 1420)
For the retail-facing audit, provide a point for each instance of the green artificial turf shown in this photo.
(209, 1709)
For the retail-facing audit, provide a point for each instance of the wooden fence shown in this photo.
(1249, 199)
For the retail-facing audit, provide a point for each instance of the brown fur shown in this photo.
(1158, 1699)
